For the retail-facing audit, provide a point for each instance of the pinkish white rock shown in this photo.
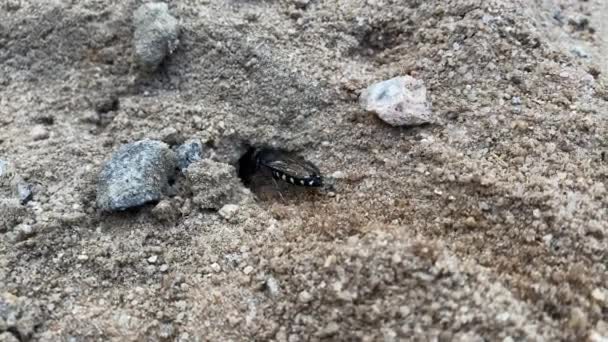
(400, 101)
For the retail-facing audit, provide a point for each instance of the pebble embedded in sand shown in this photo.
(156, 34)
(228, 211)
(188, 153)
(400, 101)
(39, 133)
(138, 173)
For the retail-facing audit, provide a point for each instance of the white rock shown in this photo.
(272, 285)
(304, 297)
(338, 175)
(248, 270)
(400, 101)
(228, 211)
(216, 267)
(39, 133)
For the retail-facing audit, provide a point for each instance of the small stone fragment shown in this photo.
(4, 168)
(216, 267)
(213, 184)
(229, 211)
(470, 222)
(330, 330)
(138, 173)
(599, 294)
(24, 192)
(171, 136)
(272, 285)
(156, 34)
(189, 152)
(247, 270)
(153, 259)
(304, 297)
(165, 212)
(23, 231)
(400, 101)
(39, 132)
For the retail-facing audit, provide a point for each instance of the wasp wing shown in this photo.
(288, 163)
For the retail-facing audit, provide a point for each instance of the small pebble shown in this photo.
(164, 268)
(153, 259)
(24, 192)
(215, 267)
(229, 211)
(338, 175)
(330, 330)
(247, 270)
(579, 52)
(189, 152)
(304, 297)
(470, 222)
(164, 211)
(400, 101)
(599, 295)
(272, 285)
(39, 132)
(171, 136)
(156, 34)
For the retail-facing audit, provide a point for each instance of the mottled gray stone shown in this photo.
(156, 34)
(136, 174)
(188, 153)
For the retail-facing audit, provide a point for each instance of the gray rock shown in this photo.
(189, 152)
(213, 184)
(156, 34)
(136, 174)
(400, 101)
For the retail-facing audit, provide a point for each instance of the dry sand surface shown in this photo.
(488, 225)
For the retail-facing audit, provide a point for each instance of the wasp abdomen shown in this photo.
(303, 181)
(289, 167)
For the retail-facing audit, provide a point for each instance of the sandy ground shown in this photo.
(488, 225)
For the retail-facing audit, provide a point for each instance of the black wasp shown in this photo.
(283, 165)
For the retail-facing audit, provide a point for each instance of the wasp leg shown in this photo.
(276, 185)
